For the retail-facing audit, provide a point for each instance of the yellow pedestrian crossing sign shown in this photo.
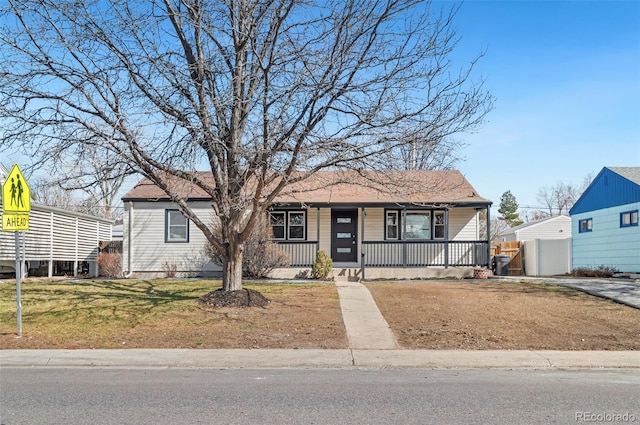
(16, 195)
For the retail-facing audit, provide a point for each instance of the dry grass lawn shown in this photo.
(474, 315)
(478, 315)
(166, 314)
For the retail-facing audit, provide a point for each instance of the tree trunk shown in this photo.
(232, 267)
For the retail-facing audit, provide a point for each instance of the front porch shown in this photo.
(384, 241)
(393, 260)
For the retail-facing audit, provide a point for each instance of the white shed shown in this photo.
(558, 227)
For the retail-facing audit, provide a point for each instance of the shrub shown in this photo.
(322, 265)
(600, 271)
(260, 255)
(170, 269)
(110, 265)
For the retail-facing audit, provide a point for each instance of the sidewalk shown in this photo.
(276, 358)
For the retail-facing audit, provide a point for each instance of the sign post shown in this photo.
(16, 206)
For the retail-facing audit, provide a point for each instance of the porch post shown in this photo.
(404, 240)
(362, 253)
(488, 236)
(317, 229)
(446, 238)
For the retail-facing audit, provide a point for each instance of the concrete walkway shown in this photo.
(366, 327)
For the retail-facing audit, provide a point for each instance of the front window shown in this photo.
(629, 218)
(176, 227)
(418, 225)
(278, 224)
(438, 225)
(585, 225)
(296, 225)
(288, 225)
(392, 225)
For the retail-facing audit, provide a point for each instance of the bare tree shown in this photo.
(264, 93)
(560, 198)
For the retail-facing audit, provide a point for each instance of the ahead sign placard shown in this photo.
(16, 194)
(15, 222)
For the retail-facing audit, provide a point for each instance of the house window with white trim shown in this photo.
(629, 218)
(585, 225)
(288, 225)
(176, 227)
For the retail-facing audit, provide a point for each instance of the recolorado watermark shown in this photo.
(605, 417)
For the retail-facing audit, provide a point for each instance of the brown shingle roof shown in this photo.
(348, 187)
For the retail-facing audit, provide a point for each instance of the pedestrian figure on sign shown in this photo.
(20, 190)
(13, 192)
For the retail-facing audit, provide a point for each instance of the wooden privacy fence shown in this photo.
(515, 251)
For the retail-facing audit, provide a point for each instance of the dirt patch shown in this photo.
(241, 298)
(499, 316)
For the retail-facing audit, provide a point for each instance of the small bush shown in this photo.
(260, 255)
(600, 271)
(322, 265)
(110, 265)
(170, 269)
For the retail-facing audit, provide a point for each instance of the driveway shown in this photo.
(623, 291)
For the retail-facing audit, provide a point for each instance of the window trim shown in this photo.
(303, 225)
(167, 225)
(284, 225)
(589, 225)
(434, 224)
(287, 225)
(631, 215)
(428, 213)
(397, 225)
(404, 212)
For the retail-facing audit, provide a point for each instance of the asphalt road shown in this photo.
(316, 396)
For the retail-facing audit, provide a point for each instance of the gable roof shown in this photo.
(612, 187)
(533, 223)
(346, 188)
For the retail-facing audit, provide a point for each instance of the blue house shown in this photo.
(604, 221)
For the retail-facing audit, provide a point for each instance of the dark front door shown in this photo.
(344, 236)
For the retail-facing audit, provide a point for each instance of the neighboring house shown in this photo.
(605, 221)
(408, 224)
(557, 227)
(58, 242)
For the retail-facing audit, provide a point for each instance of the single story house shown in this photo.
(557, 227)
(392, 224)
(58, 242)
(604, 221)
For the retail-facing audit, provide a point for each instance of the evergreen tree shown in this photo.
(509, 209)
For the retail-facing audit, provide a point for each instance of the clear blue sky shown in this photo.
(566, 77)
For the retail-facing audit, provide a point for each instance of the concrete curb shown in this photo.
(344, 358)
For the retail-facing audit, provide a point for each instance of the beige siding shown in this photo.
(374, 224)
(463, 224)
(325, 230)
(150, 252)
